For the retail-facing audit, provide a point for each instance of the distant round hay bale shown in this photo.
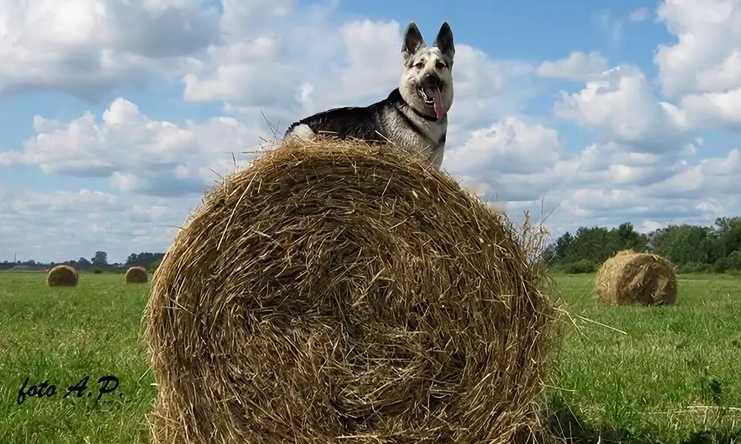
(339, 292)
(136, 275)
(636, 278)
(62, 276)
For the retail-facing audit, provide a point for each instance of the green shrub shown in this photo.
(153, 267)
(734, 260)
(721, 265)
(580, 266)
(694, 267)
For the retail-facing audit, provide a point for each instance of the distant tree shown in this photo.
(133, 259)
(628, 238)
(155, 265)
(83, 263)
(100, 258)
(692, 247)
(144, 259)
(683, 244)
(561, 248)
(734, 260)
(593, 244)
(726, 235)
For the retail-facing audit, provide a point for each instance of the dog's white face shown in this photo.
(427, 77)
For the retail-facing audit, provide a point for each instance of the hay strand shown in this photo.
(341, 292)
(62, 276)
(636, 278)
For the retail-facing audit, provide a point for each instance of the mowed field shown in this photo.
(622, 374)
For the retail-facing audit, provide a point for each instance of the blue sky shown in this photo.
(117, 116)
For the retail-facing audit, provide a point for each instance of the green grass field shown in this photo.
(623, 374)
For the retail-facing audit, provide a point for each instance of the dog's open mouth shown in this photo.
(432, 97)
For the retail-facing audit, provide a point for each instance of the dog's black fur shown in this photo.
(365, 123)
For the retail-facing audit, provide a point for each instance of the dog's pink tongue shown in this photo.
(438, 103)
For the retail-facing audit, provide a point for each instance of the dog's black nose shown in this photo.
(431, 80)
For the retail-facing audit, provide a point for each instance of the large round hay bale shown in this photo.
(337, 292)
(62, 276)
(636, 278)
(136, 275)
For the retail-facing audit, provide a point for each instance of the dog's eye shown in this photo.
(440, 65)
(419, 65)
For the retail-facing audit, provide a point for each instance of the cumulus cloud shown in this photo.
(702, 69)
(509, 160)
(261, 60)
(510, 145)
(242, 19)
(85, 47)
(578, 66)
(714, 109)
(622, 106)
(707, 54)
(358, 63)
(612, 164)
(523, 166)
(246, 71)
(63, 225)
(486, 89)
(255, 57)
(136, 153)
(712, 176)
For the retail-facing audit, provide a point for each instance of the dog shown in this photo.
(413, 116)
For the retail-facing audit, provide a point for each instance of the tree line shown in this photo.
(98, 262)
(693, 248)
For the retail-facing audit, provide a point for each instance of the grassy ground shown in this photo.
(651, 374)
(62, 335)
(624, 374)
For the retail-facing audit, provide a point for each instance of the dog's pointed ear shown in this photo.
(444, 41)
(412, 41)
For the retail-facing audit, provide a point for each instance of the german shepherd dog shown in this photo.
(413, 116)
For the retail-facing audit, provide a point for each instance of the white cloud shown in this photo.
(252, 57)
(63, 225)
(254, 72)
(359, 62)
(85, 47)
(710, 177)
(262, 62)
(29, 203)
(622, 106)
(707, 54)
(714, 109)
(243, 18)
(667, 191)
(486, 90)
(263, 56)
(136, 153)
(508, 146)
(364, 43)
(509, 160)
(578, 66)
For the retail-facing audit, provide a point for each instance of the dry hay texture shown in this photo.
(340, 292)
(636, 278)
(62, 276)
(136, 275)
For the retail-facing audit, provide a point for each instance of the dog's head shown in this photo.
(427, 78)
